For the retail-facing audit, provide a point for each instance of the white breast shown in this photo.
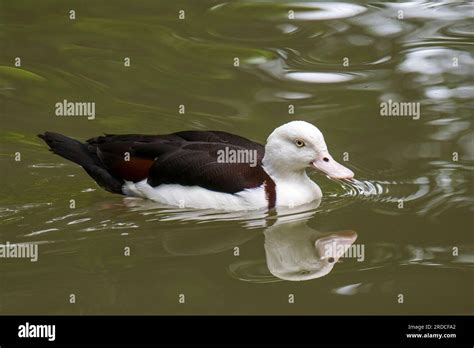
(198, 197)
(293, 194)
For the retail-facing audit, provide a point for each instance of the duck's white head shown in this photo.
(297, 145)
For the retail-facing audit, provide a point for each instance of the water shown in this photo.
(410, 205)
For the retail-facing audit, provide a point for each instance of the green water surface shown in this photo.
(332, 63)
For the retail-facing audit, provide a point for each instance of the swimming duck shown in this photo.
(207, 169)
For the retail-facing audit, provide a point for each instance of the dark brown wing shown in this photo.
(205, 165)
(187, 158)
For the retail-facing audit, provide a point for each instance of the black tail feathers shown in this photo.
(86, 156)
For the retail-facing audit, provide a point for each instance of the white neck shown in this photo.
(293, 187)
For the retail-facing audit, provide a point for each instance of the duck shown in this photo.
(204, 169)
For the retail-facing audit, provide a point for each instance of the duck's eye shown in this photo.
(299, 142)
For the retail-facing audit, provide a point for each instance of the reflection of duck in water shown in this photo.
(295, 251)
